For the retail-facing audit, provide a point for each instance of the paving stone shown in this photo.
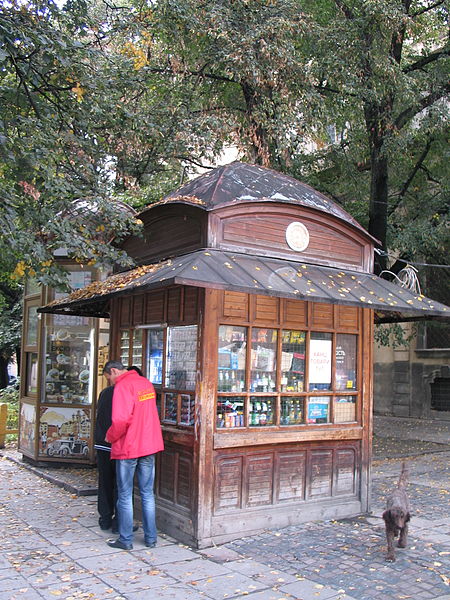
(220, 554)
(193, 570)
(171, 592)
(167, 554)
(26, 593)
(93, 587)
(311, 589)
(129, 582)
(231, 585)
(121, 560)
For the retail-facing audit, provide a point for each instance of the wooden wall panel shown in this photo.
(138, 309)
(174, 305)
(321, 315)
(228, 480)
(291, 471)
(284, 475)
(125, 311)
(191, 299)
(154, 307)
(259, 479)
(347, 317)
(261, 229)
(184, 483)
(345, 472)
(321, 471)
(295, 313)
(267, 309)
(166, 478)
(235, 305)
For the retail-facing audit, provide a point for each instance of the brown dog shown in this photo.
(397, 515)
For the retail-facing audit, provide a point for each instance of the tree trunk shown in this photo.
(377, 118)
(3, 373)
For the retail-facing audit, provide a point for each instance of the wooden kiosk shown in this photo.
(252, 312)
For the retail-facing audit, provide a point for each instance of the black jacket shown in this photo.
(103, 420)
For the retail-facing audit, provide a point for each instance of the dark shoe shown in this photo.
(119, 544)
(104, 525)
(150, 544)
(115, 529)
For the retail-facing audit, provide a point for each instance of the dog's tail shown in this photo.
(403, 479)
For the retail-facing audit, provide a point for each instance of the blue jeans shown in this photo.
(144, 466)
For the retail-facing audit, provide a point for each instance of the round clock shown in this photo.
(297, 236)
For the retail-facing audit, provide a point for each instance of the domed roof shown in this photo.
(240, 182)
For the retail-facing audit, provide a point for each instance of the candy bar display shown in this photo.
(230, 412)
(187, 409)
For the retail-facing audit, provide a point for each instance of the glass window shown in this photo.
(262, 411)
(137, 348)
(155, 345)
(345, 361)
(181, 363)
(345, 409)
(68, 363)
(320, 355)
(318, 410)
(31, 374)
(230, 412)
(293, 361)
(32, 326)
(232, 358)
(32, 287)
(125, 347)
(292, 410)
(264, 355)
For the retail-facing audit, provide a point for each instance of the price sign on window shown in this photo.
(320, 361)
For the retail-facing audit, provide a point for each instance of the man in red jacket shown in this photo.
(135, 436)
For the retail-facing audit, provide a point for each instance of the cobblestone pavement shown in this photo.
(52, 547)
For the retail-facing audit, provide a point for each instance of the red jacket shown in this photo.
(135, 429)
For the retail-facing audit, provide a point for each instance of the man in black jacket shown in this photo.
(107, 495)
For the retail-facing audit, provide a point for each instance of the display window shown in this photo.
(345, 361)
(125, 347)
(31, 326)
(293, 361)
(232, 359)
(230, 412)
(320, 360)
(68, 364)
(262, 411)
(288, 372)
(154, 359)
(292, 410)
(137, 356)
(318, 409)
(181, 357)
(31, 374)
(168, 357)
(263, 376)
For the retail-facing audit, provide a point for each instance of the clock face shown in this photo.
(297, 236)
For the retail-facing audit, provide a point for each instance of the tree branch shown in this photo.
(427, 8)
(345, 9)
(407, 183)
(425, 60)
(410, 112)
